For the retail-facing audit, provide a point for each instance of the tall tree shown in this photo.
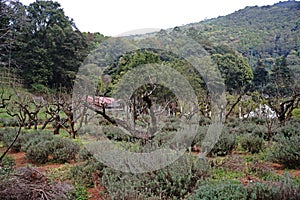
(283, 94)
(281, 79)
(54, 46)
(235, 70)
(261, 76)
(12, 21)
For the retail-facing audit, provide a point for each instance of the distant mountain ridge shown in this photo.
(267, 31)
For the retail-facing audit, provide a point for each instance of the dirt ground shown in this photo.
(21, 161)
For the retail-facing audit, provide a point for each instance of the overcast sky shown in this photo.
(114, 17)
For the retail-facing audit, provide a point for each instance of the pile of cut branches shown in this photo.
(29, 183)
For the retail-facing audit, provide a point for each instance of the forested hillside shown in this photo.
(267, 31)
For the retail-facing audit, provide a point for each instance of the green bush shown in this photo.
(291, 128)
(37, 146)
(80, 193)
(172, 182)
(296, 113)
(25, 139)
(39, 153)
(248, 127)
(220, 191)
(9, 136)
(6, 166)
(44, 147)
(82, 174)
(225, 144)
(64, 150)
(2, 133)
(116, 134)
(199, 137)
(229, 190)
(9, 122)
(35, 137)
(286, 151)
(204, 121)
(171, 124)
(84, 154)
(285, 189)
(39, 88)
(251, 143)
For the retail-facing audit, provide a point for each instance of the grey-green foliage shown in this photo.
(44, 147)
(286, 151)
(64, 150)
(251, 143)
(82, 174)
(173, 182)
(230, 190)
(220, 191)
(9, 122)
(6, 166)
(225, 144)
(9, 135)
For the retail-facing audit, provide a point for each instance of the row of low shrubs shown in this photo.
(42, 146)
(233, 190)
(173, 182)
(286, 141)
(286, 151)
(9, 122)
(57, 150)
(249, 135)
(187, 178)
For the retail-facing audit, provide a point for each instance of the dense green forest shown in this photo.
(41, 44)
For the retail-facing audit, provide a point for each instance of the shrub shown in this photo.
(84, 154)
(296, 113)
(116, 134)
(224, 191)
(80, 193)
(286, 151)
(43, 147)
(8, 138)
(292, 128)
(172, 182)
(25, 139)
(249, 127)
(203, 121)
(64, 150)
(286, 189)
(9, 122)
(251, 143)
(36, 137)
(225, 144)
(82, 173)
(230, 190)
(199, 137)
(6, 166)
(39, 153)
(171, 124)
(2, 133)
(39, 88)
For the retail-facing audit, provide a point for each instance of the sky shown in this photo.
(115, 17)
